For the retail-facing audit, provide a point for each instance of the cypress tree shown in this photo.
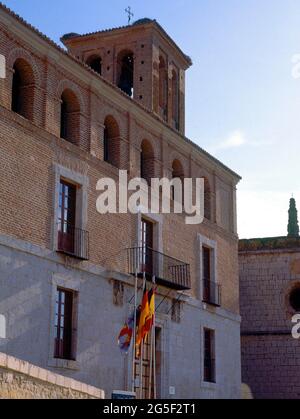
(293, 226)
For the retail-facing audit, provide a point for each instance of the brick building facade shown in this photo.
(270, 297)
(65, 287)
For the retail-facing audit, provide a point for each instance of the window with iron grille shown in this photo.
(65, 324)
(209, 356)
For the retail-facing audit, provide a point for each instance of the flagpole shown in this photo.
(151, 362)
(134, 331)
(141, 369)
(142, 350)
(151, 350)
(154, 349)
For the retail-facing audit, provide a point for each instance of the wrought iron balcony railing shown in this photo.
(168, 271)
(72, 241)
(211, 293)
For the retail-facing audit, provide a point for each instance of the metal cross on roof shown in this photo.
(130, 14)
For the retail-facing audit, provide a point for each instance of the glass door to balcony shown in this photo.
(206, 258)
(67, 217)
(147, 246)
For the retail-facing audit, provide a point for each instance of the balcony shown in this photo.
(72, 241)
(169, 272)
(211, 293)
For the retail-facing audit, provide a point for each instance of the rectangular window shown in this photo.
(206, 273)
(209, 356)
(65, 324)
(206, 254)
(67, 217)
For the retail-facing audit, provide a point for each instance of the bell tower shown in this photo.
(143, 61)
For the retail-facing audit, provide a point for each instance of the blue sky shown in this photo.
(243, 104)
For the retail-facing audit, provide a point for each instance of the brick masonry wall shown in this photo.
(29, 150)
(147, 45)
(270, 356)
(21, 380)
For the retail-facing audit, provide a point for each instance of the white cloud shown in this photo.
(234, 140)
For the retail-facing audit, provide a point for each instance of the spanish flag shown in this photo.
(145, 310)
(150, 318)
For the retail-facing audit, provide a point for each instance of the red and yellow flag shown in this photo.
(145, 309)
(150, 318)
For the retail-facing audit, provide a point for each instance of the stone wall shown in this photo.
(270, 355)
(271, 366)
(266, 279)
(28, 281)
(21, 380)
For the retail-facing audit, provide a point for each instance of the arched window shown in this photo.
(126, 72)
(163, 88)
(294, 299)
(177, 170)
(95, 62)
(175, 99)
(111, 142)
(147, 161)
(70, 117)
(207, 199)
(177, 173)
(22, 89)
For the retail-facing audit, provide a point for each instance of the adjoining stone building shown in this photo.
(114, 100)
(270, 297)
(21, 380)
